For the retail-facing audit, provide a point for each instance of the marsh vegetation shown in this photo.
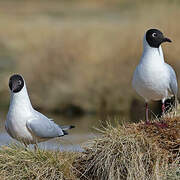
(127, 151)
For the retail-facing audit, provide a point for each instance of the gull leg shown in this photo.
(35, 147)
(146, 114)
(26, 146)
(162, 124)
(163, 107)
(163, 110)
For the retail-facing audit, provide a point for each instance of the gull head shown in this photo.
(155, 38)
(16, 83)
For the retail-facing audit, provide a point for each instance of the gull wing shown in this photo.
(173, 80)
(43, 127)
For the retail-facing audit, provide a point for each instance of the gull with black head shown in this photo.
(153, 78)
(23, 122)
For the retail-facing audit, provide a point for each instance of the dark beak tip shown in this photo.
(167, 40)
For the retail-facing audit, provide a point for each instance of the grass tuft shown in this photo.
(18, 163)
(132, 151)
(129, 151)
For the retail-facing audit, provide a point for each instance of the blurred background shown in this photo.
(78, 56)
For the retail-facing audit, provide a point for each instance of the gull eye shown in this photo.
(154, 34)
(19, 82)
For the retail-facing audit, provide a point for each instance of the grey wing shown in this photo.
(43, 127)
(173, 80)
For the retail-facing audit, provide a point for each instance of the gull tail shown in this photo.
(65, 128)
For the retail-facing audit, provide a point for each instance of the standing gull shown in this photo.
(154, 79)
(25, 124)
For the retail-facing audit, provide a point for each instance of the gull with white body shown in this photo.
(23, 122)
(153, 78)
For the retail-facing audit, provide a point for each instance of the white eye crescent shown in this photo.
(154, 34)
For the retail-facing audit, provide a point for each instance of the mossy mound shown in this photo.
(133, 151)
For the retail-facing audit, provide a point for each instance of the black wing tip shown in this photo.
(65, 132)
(71, 126)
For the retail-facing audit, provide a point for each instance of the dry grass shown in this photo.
(18, 163)
(133, 152)
(130, 151)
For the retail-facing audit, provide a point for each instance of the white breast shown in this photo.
(20, 111)
(16, 125)
(151, 81)
(151, 78)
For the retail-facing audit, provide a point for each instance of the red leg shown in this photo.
(163, 108)
(162, 124)
(146, 115)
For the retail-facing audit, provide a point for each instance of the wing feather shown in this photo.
(173, 80)
(43, 127)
